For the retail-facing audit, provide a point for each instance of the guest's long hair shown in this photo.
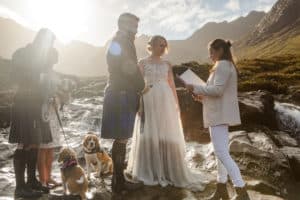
(218, 44)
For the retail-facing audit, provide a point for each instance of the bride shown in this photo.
(157, 155)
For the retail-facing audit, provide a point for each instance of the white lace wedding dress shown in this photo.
(157, 153)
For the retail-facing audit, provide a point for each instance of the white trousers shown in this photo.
(225, 164)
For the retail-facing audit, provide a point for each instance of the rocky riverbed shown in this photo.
(266, 145)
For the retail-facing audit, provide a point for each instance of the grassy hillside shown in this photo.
(274, 74)
(274, 46)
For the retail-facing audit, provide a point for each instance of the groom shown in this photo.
(121, 99)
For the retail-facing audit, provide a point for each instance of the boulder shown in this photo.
(284, 139)
(257, 109)
(293, 155)
(262, 187)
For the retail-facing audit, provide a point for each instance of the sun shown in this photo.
(66, 18)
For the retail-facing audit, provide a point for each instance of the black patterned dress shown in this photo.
(27, 125)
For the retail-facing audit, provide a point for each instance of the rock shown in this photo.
(90, 88)
(295, 96)
(256, 144)
(259, 157)
(257, 109)
(257, 195)
(284, 139)
(5, 116)
(293, 155)
(5, 108)
(262, 187)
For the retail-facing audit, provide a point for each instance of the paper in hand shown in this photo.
(189, 77)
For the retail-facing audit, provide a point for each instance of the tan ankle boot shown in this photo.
(220, 193)
(241, 194)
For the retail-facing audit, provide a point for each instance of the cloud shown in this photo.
(175, 19)
(233, 5)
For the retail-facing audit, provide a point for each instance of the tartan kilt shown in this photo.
(119, 112)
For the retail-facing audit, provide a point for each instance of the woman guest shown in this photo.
(51, 83)
(220, 110)
(27, 127)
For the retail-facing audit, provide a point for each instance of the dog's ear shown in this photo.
(97, 142)
(61, 156)
(85, 140)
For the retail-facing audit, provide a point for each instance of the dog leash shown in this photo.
(60, 122)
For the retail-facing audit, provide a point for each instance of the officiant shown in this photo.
(221, 110)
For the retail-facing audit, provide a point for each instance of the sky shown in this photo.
(95, 21)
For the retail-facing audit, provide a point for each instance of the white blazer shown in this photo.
(220, 101)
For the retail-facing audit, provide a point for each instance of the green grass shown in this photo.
(274, 74)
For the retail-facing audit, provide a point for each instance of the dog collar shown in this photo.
(96, 150)
(69, 163)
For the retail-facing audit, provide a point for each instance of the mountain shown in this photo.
(13, 36)
(194, 48)
(277, 33)
(76, 58)
(83, 59)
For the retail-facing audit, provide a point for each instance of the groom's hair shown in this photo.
(126, 18)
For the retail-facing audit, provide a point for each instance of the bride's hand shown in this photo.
(198, 98)
(146, 89)
(189, 87)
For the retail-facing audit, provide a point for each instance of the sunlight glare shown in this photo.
(66, 18)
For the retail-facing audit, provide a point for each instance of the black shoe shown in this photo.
(25, 192)
(220, 193)
(36, 185)
(118, 157)
(241, 194)
(22, 191)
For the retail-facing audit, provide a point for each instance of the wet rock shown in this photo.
(5, 108)
(293, 155)
(90, 89)
(257, 109)
(284, 139)
(256, 144)
(262, 187)
(257, 195)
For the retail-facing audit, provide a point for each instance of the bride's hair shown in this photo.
(153, 40)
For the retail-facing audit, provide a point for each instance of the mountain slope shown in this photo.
(278, 33)
(83, 59)
(194, 48)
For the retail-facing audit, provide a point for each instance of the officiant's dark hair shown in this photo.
(218, 44)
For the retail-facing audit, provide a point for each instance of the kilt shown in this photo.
(119, 112)
(27, 126)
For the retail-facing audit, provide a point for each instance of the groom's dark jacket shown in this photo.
(124, 73)
(121, 98)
